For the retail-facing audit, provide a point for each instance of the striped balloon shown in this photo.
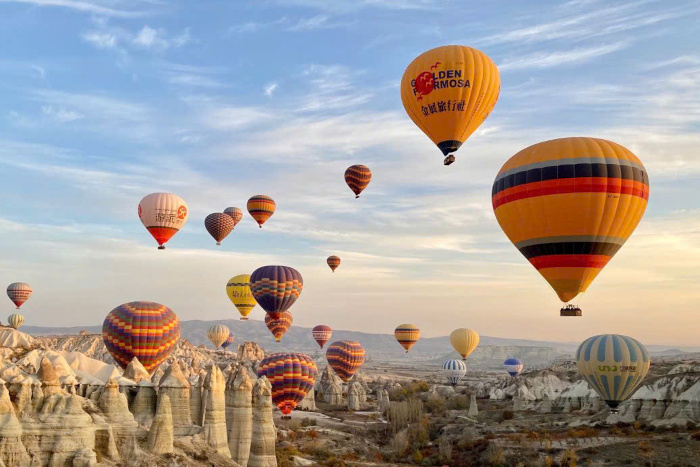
(276, 288)
(163, 215)
(358, 177)
(235, 213)
(513, 366)
(15, 320)
(19, 292)
(613, 365)
(218, 334)
(228, 342)
(333, 262)
(278, 326)
(261, 207)
(345, 357)
(322, 334)
(219, 225)
(455, 371)
(464, 341)
(569, 205)
(292, 376)
(407, 335)
(146, 330)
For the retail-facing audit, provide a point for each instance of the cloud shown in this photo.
(560, 58)
(270, 89)
(61, 115)
(83, 6)
(253, 26)
(107, 37)
(100, 40)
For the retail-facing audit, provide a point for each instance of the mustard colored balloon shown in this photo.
(568, 205)
(238, 291)
(407, 335)
(613, 365)
(448, 92)
(218, 334)
(464, 341)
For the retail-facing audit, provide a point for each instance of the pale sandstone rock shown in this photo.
(239, 415)
(354, 396)
(160, 436)
(177, 388)
(473, 406)
(136, 372)
(144, 405)
(215, 412)
(308, 402)
(333, 394)
(262, 449)
(12, 450)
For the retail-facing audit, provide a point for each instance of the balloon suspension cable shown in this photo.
(161, 247)
(449, 159)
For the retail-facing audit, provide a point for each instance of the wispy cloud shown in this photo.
(270, 89)
(333, 88)
(560, 58)
(100, 40)
(61, 115)
(253, 26)
(84, 6)
(147, 38)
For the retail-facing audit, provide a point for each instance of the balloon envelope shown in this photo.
(345, 357)
(279, 326)
(238, 291)
(218, 334)
(333, 262)
(15, 320)
(321, 334)
(448, 92)
(513, 366)
(407, 335)
(568, 205)
(19, 292)
(145, 330)
(235, 213)
(455, 370)
(613, 365)
(218, 225)
(261, 207)
(464, 341)
(163, 215)
(358, 177)
(276, 288)
(292, 376)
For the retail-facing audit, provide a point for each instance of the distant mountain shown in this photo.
(491, 351)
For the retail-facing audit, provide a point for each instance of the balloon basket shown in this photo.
(286, 417)
(161, 247)
(449, 159)
(244, 318)
(570, 310)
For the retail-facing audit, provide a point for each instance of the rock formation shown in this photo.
(333, 394)
(175, 386)
(215, 412)
(12, 451)
(144, 405)
(136, 372)
(239, 415)
(262, 449)
(308, 402)
(160, 436)
(354, 396)
(473, 407)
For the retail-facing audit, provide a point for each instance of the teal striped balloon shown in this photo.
(613, 365)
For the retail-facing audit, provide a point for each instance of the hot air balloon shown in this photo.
(333, 262)
(19, 292)
(513, 366)
(278, 326)
(322, 334)
(218, 334)
(163, 214)
(219, 225)
(261, 207)
(228, 342)
(292, 376)
(358, 177)
(235, 213)
(145, 330)
(464, 341)
(345, 357)
(276, 288)
(613, 365)
(455, 371)
(407, 335)
(15, 320)
(448, 92)
(569, 205)
(238, 291)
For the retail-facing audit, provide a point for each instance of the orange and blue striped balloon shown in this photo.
(261, 207)
(292, 376)
(146, 330)
(276, 288)
(358, 177)
(345, 357)
(333, 262)
(568, 205)
(407, 335)
(278, 326)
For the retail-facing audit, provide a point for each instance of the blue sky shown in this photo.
(105, 101)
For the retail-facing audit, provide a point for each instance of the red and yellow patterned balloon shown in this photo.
(333, 262)
(345, 357)
(278, 326)
(291, 375)
(261, 207)
(358, 177)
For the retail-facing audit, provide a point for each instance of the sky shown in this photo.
(105, 101)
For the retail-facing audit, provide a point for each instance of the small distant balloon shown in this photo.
(19, 292)
(333, 262)
(261, 207)
(219, 226)
(407, 335)
(218, 334)
(238, 291)
(455, 370)
(163, 215)
(229, 340)
(513, 366)
(321, 334)
(358, 177)
(345, 357)
(235, 213)
(292, 376)
(464, 341)
(276, 288)
(15, 320)
(279, 326)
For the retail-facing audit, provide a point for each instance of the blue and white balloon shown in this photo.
(455, 370)
(513, 366)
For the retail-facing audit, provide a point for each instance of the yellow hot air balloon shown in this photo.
(568, 205)
(238, 291)
(448, 92)
(613, 365)
(407, 335)
(464, 341)
(218, 334)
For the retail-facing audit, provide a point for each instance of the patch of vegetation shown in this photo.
(308, 422)
(507, 415)
(409, 390)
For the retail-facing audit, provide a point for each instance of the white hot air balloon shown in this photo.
(16, 320)
(454, 370)
(163, 214)
(218, 334)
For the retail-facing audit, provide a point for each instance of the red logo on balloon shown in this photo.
(181, 212)
(424, 84)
